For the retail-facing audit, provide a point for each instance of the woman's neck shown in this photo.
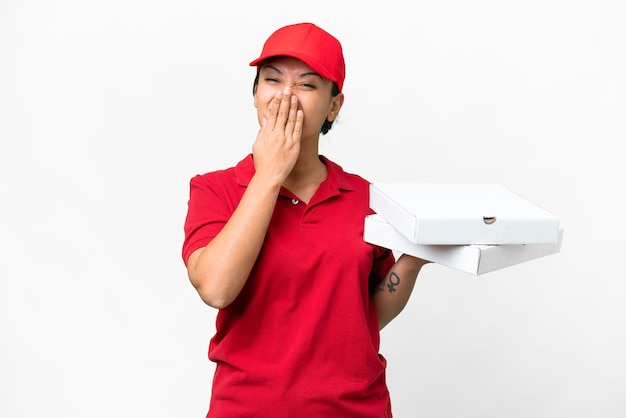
(306, 176)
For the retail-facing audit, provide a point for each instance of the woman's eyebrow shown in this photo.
(273, 68)
(301, 75)
(310, 73)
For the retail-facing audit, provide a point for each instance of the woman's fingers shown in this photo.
(284, 109)
(277, 146)
(291, 118)
(297, 130)
(272, 110)
(283, 116)
(279, 109)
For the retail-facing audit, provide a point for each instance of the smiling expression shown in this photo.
(313, 92)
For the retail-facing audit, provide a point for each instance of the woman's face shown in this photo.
(313, 92)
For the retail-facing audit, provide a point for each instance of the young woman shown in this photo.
(276, 244)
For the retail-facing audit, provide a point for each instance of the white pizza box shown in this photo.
(459, 214)
(474, 259)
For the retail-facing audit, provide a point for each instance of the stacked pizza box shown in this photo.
(476, 228)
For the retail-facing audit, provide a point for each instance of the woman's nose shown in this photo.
(287, 88)
(288, 85)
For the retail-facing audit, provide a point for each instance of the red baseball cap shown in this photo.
(309, 43)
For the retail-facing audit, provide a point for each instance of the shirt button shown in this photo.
(295, 201)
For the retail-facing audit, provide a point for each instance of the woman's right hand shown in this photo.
(277, 145)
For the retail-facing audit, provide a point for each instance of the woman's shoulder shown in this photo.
(234, 174)
(354, 179)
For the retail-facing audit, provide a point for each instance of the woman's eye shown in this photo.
(307, 85)
(271, 80)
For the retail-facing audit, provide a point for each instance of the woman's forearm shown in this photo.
(220, 270)
(392, 294)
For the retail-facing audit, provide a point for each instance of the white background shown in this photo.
(107, 109)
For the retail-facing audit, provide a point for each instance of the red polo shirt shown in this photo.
(301, 339)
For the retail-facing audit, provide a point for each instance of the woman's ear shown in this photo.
(335, 107)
